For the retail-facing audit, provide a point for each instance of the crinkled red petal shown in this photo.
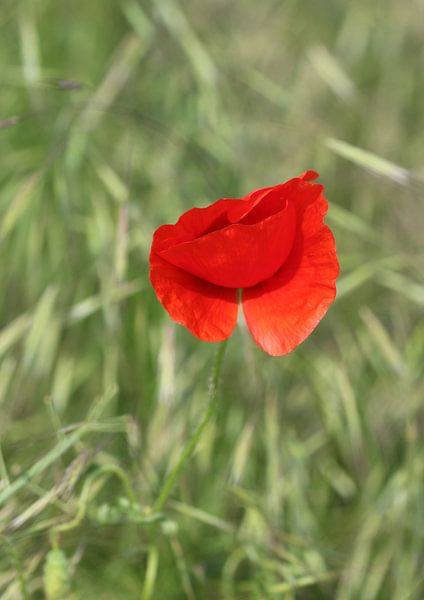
(208, 311)
(240, 255)
(282, 311)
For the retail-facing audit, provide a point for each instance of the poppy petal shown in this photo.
(282, 311)
(252, 208)
(240, 255)
(208, 311)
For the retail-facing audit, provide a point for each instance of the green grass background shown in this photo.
(309, 484)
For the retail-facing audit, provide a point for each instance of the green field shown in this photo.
(115, 117)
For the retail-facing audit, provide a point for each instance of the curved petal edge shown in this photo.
(207, 310)
(281, 312)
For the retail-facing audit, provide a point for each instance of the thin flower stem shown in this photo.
(191, 445)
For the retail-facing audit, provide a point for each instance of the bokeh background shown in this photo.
(114, 118)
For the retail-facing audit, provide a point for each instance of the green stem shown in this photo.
(190, 446)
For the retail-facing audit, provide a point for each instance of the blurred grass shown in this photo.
(114, 118)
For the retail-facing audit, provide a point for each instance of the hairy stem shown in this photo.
(191, 445)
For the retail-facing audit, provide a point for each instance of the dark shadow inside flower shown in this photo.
(259, 205)
(219, 223)
(269, 206)
(251, 209)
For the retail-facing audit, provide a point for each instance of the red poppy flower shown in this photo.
(272, 244)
